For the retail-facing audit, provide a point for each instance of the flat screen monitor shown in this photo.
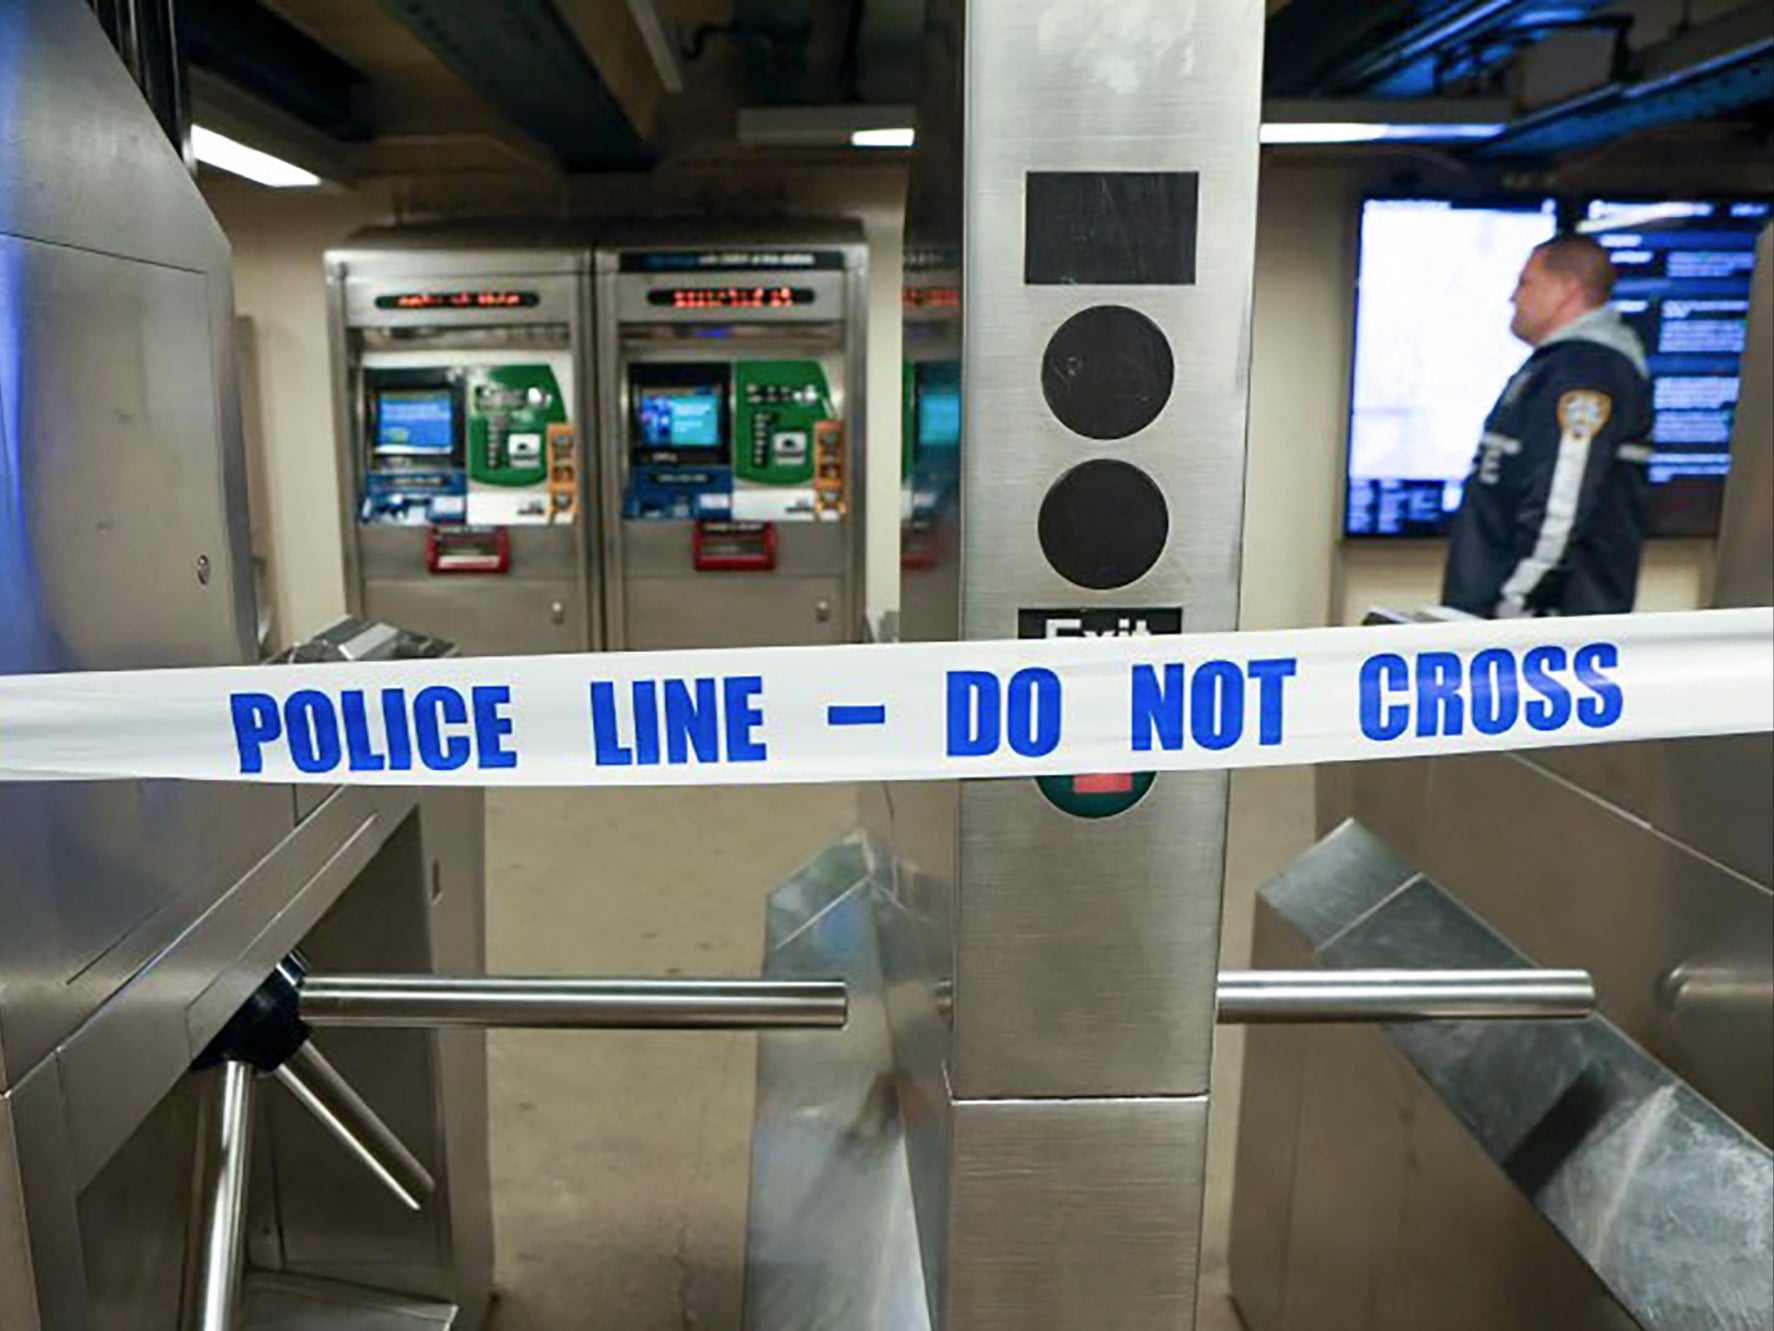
(936, 402)
(679, 418)
(1684, 271)
(1432, 351)
(679, 414)
(415, 421)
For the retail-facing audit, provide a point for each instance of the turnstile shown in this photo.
(1012, 1135)
(1615, 1175)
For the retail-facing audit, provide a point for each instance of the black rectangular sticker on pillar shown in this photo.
(1110, 228)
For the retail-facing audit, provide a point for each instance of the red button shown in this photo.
(1111, 783)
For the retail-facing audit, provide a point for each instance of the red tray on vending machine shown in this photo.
(733, 547)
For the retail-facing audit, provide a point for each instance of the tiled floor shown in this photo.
(620, 1161)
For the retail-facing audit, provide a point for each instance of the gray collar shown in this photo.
(1605, 328)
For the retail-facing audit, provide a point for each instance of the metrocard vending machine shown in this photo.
(463, 467)
(730, 419)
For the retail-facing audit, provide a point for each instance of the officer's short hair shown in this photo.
(1583, 258)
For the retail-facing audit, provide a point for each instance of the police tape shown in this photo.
(908, 712)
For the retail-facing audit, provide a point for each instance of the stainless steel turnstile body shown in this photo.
(670, 296)
(136, 916)
(1612, 1176)
(1033, 1146)
(467, 301)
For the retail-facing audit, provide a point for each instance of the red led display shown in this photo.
(943, 298)
(730, 298)
(457, 300)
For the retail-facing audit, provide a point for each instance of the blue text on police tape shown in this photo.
(678, 721)
(439, 729)
(1441, 693)
(1212, 705)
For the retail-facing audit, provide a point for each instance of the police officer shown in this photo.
(1551, 522)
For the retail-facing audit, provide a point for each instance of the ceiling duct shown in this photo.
(521, 56)
(270, 58)
(1404, 48)
(1711, 70)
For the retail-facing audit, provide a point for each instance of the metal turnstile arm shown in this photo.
(568, 1003)
(1248, 998)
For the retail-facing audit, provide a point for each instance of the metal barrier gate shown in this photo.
(1011, 1136)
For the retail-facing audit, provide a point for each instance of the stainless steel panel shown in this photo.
(733, 609)
(1268, 1161)
(130, 1053)
(18, 1290)
(137, 915)
(1348, 874)
(1682, 948)
(484, 616)
(1710, 794)
(418, 906)
(51, 1191)
(336, 1219)
(1087, 948)
(662, 550)
(914, 923)
(832, 1241)
(284, 1303)
(1108, 931)
(122, 514)
(1350, 1173)
(1075, 1213)
(1467, 1146)
(102, 147)
(667, 604)
(1509, 1268)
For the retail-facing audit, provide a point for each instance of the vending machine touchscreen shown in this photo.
(414, 473)
(680, 452)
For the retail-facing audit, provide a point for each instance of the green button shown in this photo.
(1095, 796)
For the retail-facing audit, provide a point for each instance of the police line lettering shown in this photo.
(1029, 707)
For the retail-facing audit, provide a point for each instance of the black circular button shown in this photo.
(1107, 372)
(1103, 524)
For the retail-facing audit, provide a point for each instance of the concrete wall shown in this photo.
(280, 293)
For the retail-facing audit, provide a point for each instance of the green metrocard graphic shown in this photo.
(510, 408)
(778, 403)
(1105, 794)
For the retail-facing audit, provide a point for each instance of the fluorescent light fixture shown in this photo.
(1351, 131)
(896, 136)
(827, 126)
(223, 153)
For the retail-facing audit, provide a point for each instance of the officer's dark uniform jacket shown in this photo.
(1551, 522)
